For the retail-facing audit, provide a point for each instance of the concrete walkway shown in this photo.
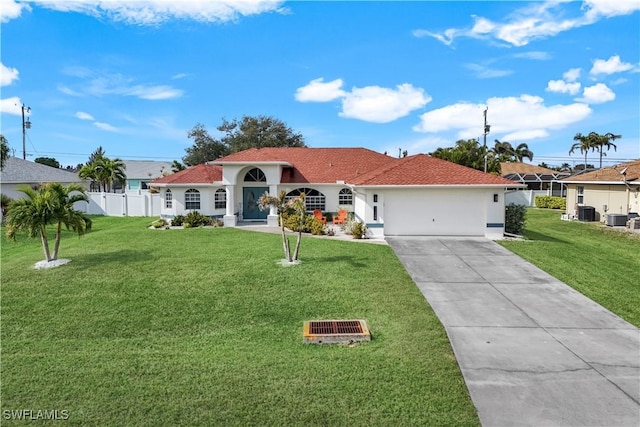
(533, 352)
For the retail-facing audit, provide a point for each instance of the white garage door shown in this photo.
(435, 212)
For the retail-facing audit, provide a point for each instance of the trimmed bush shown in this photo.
(551, 202)
(177, 220)
(357, 229)
(515, 218)
(311, 224)
(196, 219)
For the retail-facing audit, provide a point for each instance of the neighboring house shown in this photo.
(416, 195)
(611, 190)
(141, 172)
(18, 172)
(535, 178)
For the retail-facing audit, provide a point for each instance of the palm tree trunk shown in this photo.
(56, 245)
(600, 150)
(285, 241)
(297, 250)
(45, 243)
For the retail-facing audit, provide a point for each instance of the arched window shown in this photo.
(313, 198)
(255, 175)
(345, 197)
(220, 199)
(168, 199)
(192, 199)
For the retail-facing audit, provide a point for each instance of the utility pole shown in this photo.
(484, 134)
(25, 125)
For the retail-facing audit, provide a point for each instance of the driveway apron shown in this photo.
(532, 351)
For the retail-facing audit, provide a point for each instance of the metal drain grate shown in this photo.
(335, 331)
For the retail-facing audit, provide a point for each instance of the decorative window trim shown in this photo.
(313, 198)
(345, 197)
(255, 175)
(168, 199)
(220, 199)
(192, 199)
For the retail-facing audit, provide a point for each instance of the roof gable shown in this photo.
(421, 169)
(508, 168)
(198, 174)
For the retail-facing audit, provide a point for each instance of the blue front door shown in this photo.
(250, 197)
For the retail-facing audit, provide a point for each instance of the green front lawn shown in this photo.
(601, 263)
(202, 327)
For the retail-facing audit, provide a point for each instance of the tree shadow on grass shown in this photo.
(352, 261)
(535, 236)
(88, 260)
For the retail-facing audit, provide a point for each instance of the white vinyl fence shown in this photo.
(140, 203)
(523, 197)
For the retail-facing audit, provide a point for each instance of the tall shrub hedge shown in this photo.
(515, 217)
(551, 202)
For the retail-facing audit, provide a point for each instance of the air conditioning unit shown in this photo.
(616, 220)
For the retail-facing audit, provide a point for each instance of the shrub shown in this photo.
(515, 217)
(196, 219)
(158, 223)
(311, 224)
(177, 220)
(551, 202)
(357, 229)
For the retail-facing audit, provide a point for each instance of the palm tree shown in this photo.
(522, 151)
(283, 207)
(51, 203)
(606, 141)
(110, 172)
(89, 172)
(4, 151)
(584, 144)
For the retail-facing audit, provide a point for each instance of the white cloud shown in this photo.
(563, 87)
(68, 91)
(84, 116)
(572, 74)
(525, 117)
(179, 76)
(154, 12)
(609, 66)
(105, 126)
(537, 56)
(484, 72)
(535, 21)
(152, 93)
(11, 9)
(319, 91)
(7, 75)
(597, 94)
(382, 105)
(11, 105)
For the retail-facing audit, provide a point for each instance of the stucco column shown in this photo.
(230, 217)
(272, 218)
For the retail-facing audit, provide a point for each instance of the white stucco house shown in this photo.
(415, 195)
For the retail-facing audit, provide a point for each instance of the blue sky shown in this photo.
(134, 77)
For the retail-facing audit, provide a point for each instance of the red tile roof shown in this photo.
(199, 174)
(358, 166)
(315, 165)
(425, 170)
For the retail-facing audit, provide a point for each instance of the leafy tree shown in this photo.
(4, 151)
(49, 161)
(258, 132)
(505, 152)
(205, 148)
(285, 207)
(90, 173)
(177, 166)
(51, 203)
(96, 155)
(469, 153)
(522, 151)
(249, 132)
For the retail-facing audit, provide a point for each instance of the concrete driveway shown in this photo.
(533, 352)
